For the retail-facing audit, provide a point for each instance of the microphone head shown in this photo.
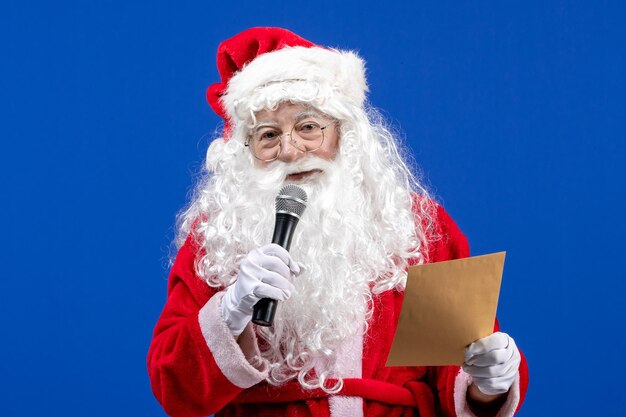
(291, 199)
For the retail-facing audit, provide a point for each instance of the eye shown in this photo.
(266, 135)
(307, 127)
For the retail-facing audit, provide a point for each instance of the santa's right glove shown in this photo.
(266, 272)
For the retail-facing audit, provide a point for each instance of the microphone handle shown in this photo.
(265, 309)
(284, 229)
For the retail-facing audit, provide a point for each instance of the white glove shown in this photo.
(265, 273)
(493, 363)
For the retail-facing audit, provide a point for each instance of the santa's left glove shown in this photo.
(493, 363)
(266, 272)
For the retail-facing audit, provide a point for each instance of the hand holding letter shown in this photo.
(493, 363)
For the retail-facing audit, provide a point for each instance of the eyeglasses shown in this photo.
(266, 143)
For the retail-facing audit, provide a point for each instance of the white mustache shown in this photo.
(274, 176)
(307, 164)
(279, 170)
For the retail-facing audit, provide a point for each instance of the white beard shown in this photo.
(332, 293)
(340, 257)
(353, 240)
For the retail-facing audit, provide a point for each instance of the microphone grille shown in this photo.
(291, 199)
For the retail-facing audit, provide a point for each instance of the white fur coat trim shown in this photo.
(464, 380)
(240, 363)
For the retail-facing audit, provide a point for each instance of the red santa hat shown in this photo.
(274, 64)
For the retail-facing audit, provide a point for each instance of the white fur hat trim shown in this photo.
(296, 74)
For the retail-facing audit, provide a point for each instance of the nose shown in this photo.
(289, 152)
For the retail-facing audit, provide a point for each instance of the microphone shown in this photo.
(290, 204)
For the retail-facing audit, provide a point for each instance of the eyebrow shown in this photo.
(263, 124)
(307, 113)
(297, 117)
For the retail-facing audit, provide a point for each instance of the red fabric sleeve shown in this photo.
(184, 375)
(450, 242)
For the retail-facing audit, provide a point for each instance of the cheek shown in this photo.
(330, 149)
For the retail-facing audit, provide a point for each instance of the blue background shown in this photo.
(515, 112)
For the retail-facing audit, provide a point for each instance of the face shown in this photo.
(282, 120)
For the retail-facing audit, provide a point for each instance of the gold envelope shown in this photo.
(447, 306)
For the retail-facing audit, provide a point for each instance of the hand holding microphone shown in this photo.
(266, 272)
(265, 275)
(290, 204)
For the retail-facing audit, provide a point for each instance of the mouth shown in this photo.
(297, 176)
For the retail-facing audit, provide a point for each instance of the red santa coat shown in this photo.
(197, 368)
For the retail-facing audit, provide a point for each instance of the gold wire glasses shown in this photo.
(266, 142)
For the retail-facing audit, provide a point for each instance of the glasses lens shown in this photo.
(266, 145)
(307, 136)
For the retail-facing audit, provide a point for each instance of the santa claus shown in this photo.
(295, 113)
